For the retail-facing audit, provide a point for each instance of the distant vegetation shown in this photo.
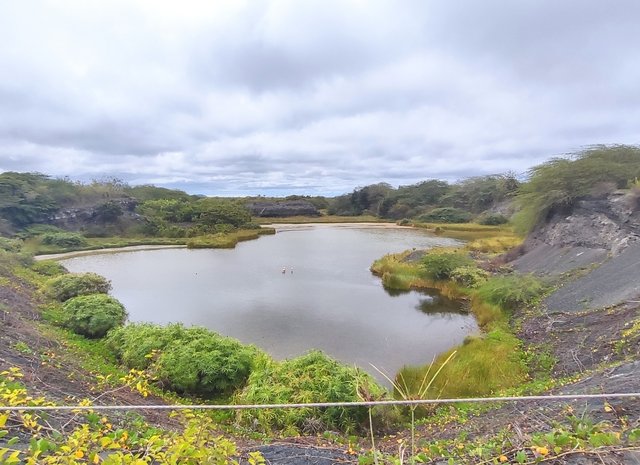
(60, 214)
(555, 186)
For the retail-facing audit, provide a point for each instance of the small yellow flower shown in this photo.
(503, 458)
(542, 451)
(79, 454)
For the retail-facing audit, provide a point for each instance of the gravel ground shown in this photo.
(548, 260)
(292, 454)
(615, 281)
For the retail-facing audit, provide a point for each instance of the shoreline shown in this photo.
(283, 226)
(277, 226)
(129, 248)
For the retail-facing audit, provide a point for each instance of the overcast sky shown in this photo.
(304, 96)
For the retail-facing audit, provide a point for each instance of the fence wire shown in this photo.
(547, 398)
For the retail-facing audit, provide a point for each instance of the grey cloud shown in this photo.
(285, 96)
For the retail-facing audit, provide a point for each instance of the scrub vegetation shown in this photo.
(484, 364)
(64, 330)
(71, 285)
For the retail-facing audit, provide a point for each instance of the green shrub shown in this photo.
(93, 315)
(133, 344)
(38, 230)
(213, 241)
(187, 360)
(445, 215)
(469, 276)
(511, 291)
(439, 265)
(10, 245)
(48, 268)
(64, 239)
(492, 219)
(72, 285)
(313, 377)
(207, 365)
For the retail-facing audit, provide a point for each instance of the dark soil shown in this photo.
(583, 341)
(613, 282)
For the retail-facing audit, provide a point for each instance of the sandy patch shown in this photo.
(79, 253)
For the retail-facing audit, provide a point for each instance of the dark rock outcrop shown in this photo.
(111, 211)
(596, 229)
(282, 208)
(601, 238)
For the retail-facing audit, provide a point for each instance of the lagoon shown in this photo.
(326, 299)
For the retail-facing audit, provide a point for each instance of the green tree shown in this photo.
(211, 212)
(24, 198)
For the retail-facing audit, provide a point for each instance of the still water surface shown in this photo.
(327, 299)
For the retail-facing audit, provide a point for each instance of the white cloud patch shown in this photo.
(234, 97)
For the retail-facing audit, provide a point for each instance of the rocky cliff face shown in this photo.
(611, 223)
(115, 211)
(601, 237)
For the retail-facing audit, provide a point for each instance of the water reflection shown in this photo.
(434, 302)
(332, 302)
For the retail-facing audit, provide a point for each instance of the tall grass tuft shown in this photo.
(494, 245)
(483, 366)
(511, 291)
(416, 387)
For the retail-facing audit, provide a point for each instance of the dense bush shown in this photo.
(469, 276)
(72, 285)
(93, 315)
(492, 219)
(511, 291)
(440, 264)
(313, 377)
(133, 343)
(48, 268)
(188, 360)
(208, 365)
(445, 215)
(64, 239)
(10, 245)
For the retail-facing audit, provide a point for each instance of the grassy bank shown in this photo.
(221, 240)
(227, 240)
(484, 364)
(470, 231)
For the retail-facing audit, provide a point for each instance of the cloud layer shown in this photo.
(278, 97)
